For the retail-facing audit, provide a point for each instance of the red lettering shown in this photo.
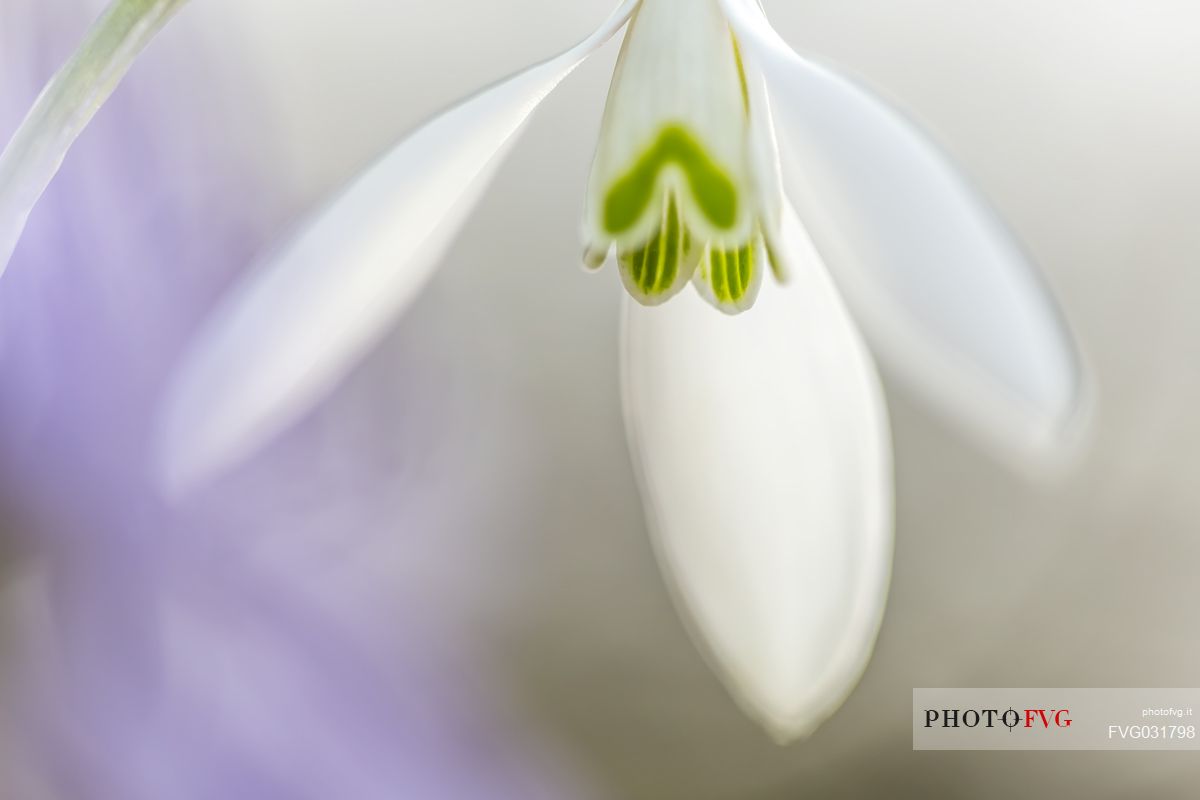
(1034, 713)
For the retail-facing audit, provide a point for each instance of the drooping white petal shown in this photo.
(67, 104)
(304, 316)
(764, 460)
(938, 283)
(768, 173)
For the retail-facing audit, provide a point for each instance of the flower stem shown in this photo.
(67, 105)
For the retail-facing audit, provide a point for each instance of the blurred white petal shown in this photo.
(306, 315)
(768, 172)
(937, 282)
(67, 104)
(764, 458)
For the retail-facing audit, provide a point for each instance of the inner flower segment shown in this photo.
(675, 181)
(673, 187)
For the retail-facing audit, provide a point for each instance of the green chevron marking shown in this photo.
(714, 191)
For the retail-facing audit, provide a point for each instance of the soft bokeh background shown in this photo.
(471, 478)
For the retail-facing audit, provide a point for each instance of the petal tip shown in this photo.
(774, 527)
(186, 455)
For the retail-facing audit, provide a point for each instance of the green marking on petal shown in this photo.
(673, 247)
(658, 269)
(741, 67)
(730, 273)
(718, 275)
(714, 191)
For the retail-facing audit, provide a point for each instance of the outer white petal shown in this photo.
(304, 316)
(67, 104)
(765, 464)
(938, 283)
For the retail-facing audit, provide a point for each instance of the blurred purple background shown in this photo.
(241, 647)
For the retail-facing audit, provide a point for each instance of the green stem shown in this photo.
(67, 105)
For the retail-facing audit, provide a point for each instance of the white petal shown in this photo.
(306, 315)
(67, 104)
(938, 283)
(768, 173)
(764, 460)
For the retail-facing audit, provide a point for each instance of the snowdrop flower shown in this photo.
(758, 426)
